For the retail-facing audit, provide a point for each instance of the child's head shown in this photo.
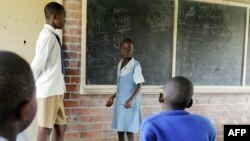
(178, 93)
(17, 94)
(127, 48)
(55, 15)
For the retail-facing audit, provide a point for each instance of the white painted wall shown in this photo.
(20, 21)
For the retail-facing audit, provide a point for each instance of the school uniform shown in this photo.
(47, 64)
(48, 71)
(128, 77)
(177, 125)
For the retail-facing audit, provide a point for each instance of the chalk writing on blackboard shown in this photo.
(210, 43)
(148, 23)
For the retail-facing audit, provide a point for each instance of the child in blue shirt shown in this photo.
(176, 124)
(127, 112)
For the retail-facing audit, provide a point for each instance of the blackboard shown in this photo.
(210, 43)
(149, 23)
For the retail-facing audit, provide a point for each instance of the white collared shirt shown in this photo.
(137, 76)
(46, 65)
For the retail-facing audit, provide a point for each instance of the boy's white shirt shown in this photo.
(46, 65)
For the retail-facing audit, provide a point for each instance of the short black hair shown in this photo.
(16, 84)
(128, 40)
(179, 92)
(53, 8)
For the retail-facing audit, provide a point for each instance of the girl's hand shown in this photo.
(110, 102)
(128, 104)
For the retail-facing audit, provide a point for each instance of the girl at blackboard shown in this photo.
(127, 113)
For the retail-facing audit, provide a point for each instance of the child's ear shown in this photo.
(190, 103)
(161, 99)
(53, 16)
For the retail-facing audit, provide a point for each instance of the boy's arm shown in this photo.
(42, 52)
(213, 136)
(146, 133)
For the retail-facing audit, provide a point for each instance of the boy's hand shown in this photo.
(161, 100)
(110, 102)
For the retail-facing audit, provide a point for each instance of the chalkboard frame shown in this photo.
(109, 89)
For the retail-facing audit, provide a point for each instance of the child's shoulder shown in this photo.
(45, 34)
(151, 118)
(136, 62)
(202, 119)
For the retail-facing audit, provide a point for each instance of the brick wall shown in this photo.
(90, 120)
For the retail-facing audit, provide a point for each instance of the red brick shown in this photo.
(89, 126)
(67, 79)
(98, 111)
(72, 55)
(72, 6)
(73, 22)
(67, 111)
(99, 118)
(71, 71)
(90, 134)
(73, 120)
(73, 31)
(80, 111)
(78, 96)
(71, 39)
(66, 96)
(72, 87)
(74, 14)
(74, 47)
(71, 135)
(107, 133)
(71, 103)
(75, 80)
(72, 64)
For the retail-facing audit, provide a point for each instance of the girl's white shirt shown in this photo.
(137, 76)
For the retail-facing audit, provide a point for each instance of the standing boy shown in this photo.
(48, 69)
(17, 96)
(176, 124)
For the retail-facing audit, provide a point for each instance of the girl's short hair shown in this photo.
(127, 40)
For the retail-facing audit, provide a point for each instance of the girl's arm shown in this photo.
(136, 92)
(110, 100)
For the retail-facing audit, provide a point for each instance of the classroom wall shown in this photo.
(19, 27)
(90, 120)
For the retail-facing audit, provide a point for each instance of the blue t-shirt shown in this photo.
(177, 125)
